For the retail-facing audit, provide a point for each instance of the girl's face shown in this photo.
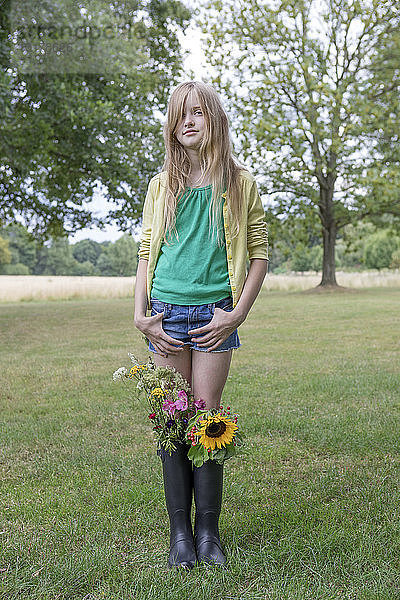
(191, 126)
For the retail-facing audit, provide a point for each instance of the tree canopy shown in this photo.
(313, 89)
(66, 130)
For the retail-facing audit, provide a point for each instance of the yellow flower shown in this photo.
(136, 369)
(216, 431)
(157, 392)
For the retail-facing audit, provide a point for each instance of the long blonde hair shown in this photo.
(216, 159)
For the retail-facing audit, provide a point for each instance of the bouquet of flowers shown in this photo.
(169, 399)
(176, 415)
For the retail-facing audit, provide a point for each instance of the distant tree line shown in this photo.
(21, 254)
(361, 246)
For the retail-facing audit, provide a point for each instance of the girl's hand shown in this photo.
(217, 331)
(162, 342)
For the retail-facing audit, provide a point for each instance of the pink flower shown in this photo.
(169, 406)
(182, 402)
(199, 403)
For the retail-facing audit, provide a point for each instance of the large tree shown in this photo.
(89, 120)
(309, 94)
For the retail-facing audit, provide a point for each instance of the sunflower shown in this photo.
(216, 431)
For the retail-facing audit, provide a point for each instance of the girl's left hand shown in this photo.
(218, 330)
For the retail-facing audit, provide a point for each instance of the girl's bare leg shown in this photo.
(209, 374)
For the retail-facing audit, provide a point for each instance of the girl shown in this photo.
(202, 217)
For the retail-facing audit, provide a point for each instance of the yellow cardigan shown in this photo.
(252, 238)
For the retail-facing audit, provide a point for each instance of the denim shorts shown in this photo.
(178, 320)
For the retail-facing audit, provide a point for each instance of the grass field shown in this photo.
(311, 508)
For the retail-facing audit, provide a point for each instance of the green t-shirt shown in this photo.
(192, 268)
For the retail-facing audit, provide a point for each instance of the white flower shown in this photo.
(133, 359)
(120, 373)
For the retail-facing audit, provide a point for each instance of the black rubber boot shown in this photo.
(208, 484)
(178, 484)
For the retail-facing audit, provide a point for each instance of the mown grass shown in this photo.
(311, 509)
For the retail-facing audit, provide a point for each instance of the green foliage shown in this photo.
(58, 257)
(85, 268)
(395, 264)
(5, 254)
(22, 246)
(87, 251)
(65, 132)
(295, 257)
(346, 259)
(119, 259)
(350, 248)
(306, 259)
(14, 269)
(379, 249)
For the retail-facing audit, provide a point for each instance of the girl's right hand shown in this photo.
(162, 342)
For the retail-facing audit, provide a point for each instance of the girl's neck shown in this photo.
(196, 177)
(197, 180)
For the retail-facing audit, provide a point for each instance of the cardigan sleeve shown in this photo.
(147, 222)
(257, 232)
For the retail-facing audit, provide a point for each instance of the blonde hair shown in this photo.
(215, 153)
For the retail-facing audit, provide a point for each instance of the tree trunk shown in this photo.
(328, 261)
(329, 236)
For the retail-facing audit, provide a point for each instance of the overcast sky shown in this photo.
(195, 62)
